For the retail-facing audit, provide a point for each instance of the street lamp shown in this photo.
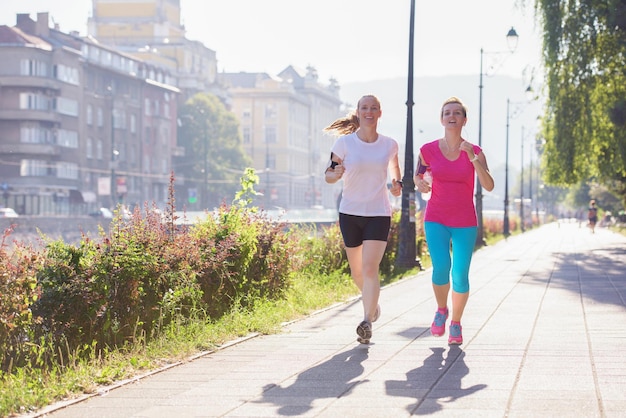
(519, 109)
(406, 255)
(505, 230)
(530, 185)
(114, 152)
(521, 192)
(511, 38)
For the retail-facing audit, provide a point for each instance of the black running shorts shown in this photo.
(356, 229)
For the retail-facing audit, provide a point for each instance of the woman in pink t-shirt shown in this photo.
(450, 216)
(364, 159)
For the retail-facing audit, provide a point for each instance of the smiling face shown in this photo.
(368, 110)
(453, 115)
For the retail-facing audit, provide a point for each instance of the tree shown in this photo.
(585, 118)
(214, 158)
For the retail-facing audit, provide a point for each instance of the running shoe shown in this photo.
(376, 314)
(364, 332)
(438, 327)
(456, 335)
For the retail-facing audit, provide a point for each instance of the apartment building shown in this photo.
(151, 30)
(282, 116)
(82, 125)
(87, 122)
(282, 119)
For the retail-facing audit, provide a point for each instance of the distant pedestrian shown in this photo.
(450, 216)
(364, 159)
(592, 215)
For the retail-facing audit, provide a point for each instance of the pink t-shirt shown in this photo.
(452, 199)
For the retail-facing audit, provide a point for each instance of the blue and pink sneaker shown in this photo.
(438, 327)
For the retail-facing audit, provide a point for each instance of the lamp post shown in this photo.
(267, 174)
(406, 238)
(530, 185)
(505, 230)
(113, 185)
(521, 192)
(512, 39)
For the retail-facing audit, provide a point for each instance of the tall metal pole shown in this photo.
(530, 184)
(406, 238)
(506, 175)
(512, 38)
(205, 157)
(480, 238)
(521, 193)
(113, 152)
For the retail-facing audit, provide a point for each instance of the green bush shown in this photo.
(18, 291)
(147, 272)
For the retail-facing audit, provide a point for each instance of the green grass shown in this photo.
(30, 389)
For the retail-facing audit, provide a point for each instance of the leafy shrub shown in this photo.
(18, 291)
(321, 252)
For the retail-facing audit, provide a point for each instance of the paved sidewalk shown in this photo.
(544, 329)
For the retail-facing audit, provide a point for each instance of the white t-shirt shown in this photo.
(365, 191)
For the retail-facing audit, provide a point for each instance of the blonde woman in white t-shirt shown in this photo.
(364, 160)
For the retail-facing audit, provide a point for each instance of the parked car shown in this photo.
(102, 213)
(8, 213)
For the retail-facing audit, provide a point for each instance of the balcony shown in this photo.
(30, 114)
(44, 150)
(30, 81)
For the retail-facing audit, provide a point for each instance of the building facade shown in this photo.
(151, 31)
(89, 122)
(82, 125)
(282, 119)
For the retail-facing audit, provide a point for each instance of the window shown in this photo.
(146, 106)
(99, 149)
(246, 135)
(34, 101)
(34, 168)
(67, 138)
(119, 119)
(89, 114)
(100, 117)
(89, 148)
(66, 74)
(35, 134)
(33, 68)
(66, 106)
(270, 111)
(133, 124)
(270, 134)
(66, 170)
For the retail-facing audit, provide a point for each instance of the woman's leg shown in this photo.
(463, 241)
(438, 240)
(372, 255)
(355, 257)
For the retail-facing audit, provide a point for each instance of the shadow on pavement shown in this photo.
(427, 381)
(330, 379)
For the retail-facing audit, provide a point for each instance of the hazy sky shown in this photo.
(350, 40)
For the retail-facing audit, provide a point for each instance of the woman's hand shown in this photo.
(468, 148)
(396, 187)
(421, 185)
(334, 174)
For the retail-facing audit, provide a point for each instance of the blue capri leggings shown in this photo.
(438, 238)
